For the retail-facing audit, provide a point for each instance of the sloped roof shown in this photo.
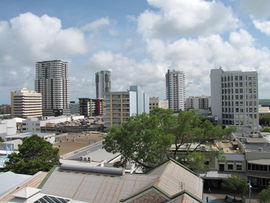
(10, 180)
(26, 192)
(164, 182)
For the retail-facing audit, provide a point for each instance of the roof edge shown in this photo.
(47, 177)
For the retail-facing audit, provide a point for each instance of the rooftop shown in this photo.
(165, 182)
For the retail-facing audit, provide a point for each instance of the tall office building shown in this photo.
(53, 84)
(26, 104)
(103, 83)
(119, 106)
(234, 99)
(175, 89)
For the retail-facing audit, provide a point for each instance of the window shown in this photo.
(230, 166)
(238, 167)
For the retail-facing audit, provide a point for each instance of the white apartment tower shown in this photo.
(53, 84)
(26, 104)
(175, 89)
(103, 83)
(234, 99)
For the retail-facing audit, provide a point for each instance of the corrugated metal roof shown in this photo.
(170, 178)
(10, 180)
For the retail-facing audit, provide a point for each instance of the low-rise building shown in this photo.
(169, 182)
(155, 102)
(35, 124)
(7, 127)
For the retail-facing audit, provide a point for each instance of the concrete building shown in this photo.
(198, 102)
(175, 90)
(34, 125)
(91, 107)
(119, 106)
(234, 99)
(103, 83)
(26, 104)
(155, 102)
(7, 127)
(53, 84)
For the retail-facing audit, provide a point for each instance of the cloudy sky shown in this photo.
(138, 40)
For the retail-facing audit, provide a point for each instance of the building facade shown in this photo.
(103, 83)
(198, 102)
(91, 107)
(53, 84)
(175, 89)
(26, 104)
(119, 106)
(155, 102)
(234, 99)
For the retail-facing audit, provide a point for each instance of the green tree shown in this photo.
(235, 185)
(264, 195)
(264, 120)
(147, 139)
(266, 130)
(35, 154)
(142, 140)
(2, 140)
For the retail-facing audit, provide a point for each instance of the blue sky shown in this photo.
(138, 40)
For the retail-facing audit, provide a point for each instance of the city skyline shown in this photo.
(138, 40)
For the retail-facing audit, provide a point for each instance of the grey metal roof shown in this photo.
(170, 178)
(95, 188)
(10, 180)
(260, 161)
(234, 157)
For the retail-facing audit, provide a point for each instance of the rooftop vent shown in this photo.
(94, 169)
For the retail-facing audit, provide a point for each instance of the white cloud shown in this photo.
(193, 56)
(185, 18)
(263, 26)
(197, 56)
(28, 38)
(97, 24)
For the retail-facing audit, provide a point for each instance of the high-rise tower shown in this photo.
(53, 84)
(103, 83)
(175, 89)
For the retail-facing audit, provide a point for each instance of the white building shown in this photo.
(7, 127)
(119, 106)
(155, 102)
(26, 104)
(175, 89)
(34, 124)
(198, 102)
(234, 99)
(103, 83)
(53, 83)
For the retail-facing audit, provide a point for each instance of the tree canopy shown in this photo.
(264, 120)
(235, 185)
(35, 154)
(147, 139)
(264, 195)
